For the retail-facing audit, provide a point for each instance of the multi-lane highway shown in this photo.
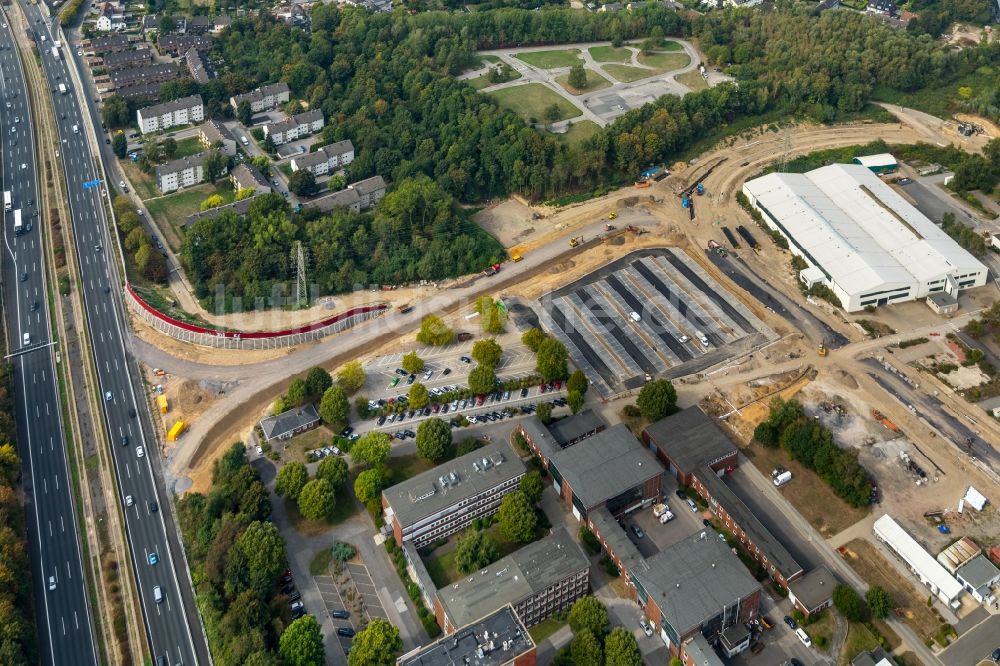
(166, 601)
(63, 616)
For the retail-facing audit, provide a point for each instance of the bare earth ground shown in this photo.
(871, 565)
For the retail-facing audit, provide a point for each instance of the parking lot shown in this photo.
(654, 312)
(371, 606)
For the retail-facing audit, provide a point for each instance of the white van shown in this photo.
(26, 338)
(804, 637)
(158, 595)
(244, 141)
(76, 129)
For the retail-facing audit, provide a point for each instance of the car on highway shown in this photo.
(153, 558)
(129, 501)
(157, 594)
(107, 396)
(139, 452)
(124, 440)
(131, 412)
(34, 305)
(52, 583)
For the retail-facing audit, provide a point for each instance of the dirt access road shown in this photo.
(743, 157)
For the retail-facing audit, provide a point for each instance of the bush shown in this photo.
(589, 540)
(343, 551)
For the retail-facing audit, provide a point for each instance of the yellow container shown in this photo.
(161, 402)
(175, 431)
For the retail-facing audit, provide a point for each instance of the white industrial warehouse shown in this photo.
(930, 572)
(862, 239)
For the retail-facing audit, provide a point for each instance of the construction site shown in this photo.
(670, 277)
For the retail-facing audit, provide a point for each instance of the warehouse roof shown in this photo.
(760, 536)
(690, 439)
(449, 483)
(926, 567)
(605, 465)
(510, 579)
(693, 579)
(876, 161)
(857, 229)
(495, 639)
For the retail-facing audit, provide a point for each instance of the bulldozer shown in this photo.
(576, 240)
(612, 215)
(821, 349)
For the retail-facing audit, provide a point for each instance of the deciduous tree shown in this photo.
(586, 650)
(368, 485)
(487, 352)
(303, 183)
(545, 412)
(551, 360)
(333, 469)
(334, 407)
(256, 559)
(412, 363)
(352, 377)
(482, 379)
(588, 614)
(378, 644)
(847, 601)
(533, 338)
(879, 601)
(372, 449)
(577, 382)
(291, 479)
(532, 486)
(577, 77)
(434, 440)
(213, 201)
(621, 648)
(419, 397)
(575, 401)
(301, 643)
(434, 332)
(318, 381)
(317, 499)
(517, 519)
(657, 399)
(474, 551)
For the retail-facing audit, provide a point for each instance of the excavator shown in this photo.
(821, 350)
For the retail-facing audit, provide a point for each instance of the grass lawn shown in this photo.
(669, 45)
(665, 62)
(627, 73)
(286, 168)
(543, 630)
(316, 438)
(188, 146)
(610, 54)
(940, 100)
(594, 82)
(551, 59)
(143, 183)
(807, 492)
(579, 132)
(877, 570)
(693, 80)
(489, 59)
(859, 639)
(483, 81)
(320, 562)
(407, 467)
(170, 211)
(530, 101)
(821, 631)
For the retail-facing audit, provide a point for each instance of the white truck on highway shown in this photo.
(55, 52)
(62, 88)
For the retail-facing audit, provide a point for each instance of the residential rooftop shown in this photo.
(215, 131)
(493, 640)
(241, 207)
(814, 588)
(449, 483)
(249, 176)
(521, 574)
(368, 185)
(691, 439)
(285, 422)
(605, 465)
(180, 164)
(171, 106)
(694, 579)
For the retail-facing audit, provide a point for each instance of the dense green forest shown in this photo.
(236, 560)
(17, 640)
(386, 81)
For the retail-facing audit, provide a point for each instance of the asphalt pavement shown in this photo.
(172, 624)
(65, 631)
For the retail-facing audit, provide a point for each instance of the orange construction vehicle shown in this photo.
(884, 420)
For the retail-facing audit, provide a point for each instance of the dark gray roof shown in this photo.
(117, 59)
(605, 465)
(241, 207)
(368, 185)
(424, 494)
(262, 92)
(701, 653)
(341, 199)
(150, 73)
(978, 572)
(761, 537)
(196, 65)
(140, 91)
(323, 154)
(734, 635)
(171, 106)
(215, 131)
(575, 426)
(871, 658)
(286, 422)
(540, 435)
(308, 117)
(469, 646)
(691, 439)
(694, 579)
(249, 177)
(181, 164)
(815, 588)
(617, 541)
(510, 579)
(109, 43)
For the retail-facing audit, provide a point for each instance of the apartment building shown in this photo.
(157, 73)
(214, 133)
(326, 160)
(246, 176)
(183, 111)
(370, 191)
(443, 500)
(296, 127)
(197, 67)
(264, 98)
(181, 173)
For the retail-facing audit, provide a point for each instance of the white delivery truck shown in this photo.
(62, 88)
(783, 478)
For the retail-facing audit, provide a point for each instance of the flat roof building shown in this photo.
(499, 639)
(696, 586)
(978, 576)
(814, 591)
(881, 163)
(860, 238)
(688, 440)
(928, 570)
(443, 500)
(538, 580)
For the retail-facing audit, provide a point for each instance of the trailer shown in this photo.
(731, 238)
(6, 200)
(18, 225)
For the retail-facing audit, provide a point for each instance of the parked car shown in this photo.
(637, 531)
(646, 629)
(340, 614)
(790, 621)
(345, 631)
